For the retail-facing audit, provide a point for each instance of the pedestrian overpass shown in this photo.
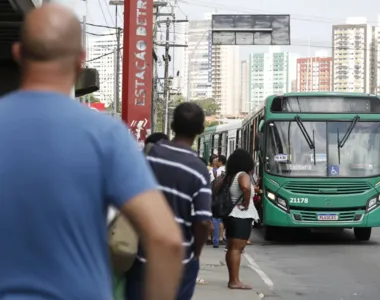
(11, 16)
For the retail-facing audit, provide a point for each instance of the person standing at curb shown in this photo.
(217, 224)
(184, 180)
(61, 166)
(212, 167)
(239, 222)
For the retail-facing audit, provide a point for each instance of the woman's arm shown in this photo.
(244, 181)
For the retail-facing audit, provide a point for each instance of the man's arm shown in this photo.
(162, 241)
(202, 215)
(131, 187)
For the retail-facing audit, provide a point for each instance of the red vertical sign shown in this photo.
(137, 66)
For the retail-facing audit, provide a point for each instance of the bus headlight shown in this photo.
(373, 203)
(279, 202)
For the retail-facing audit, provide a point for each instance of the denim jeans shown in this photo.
(216, 232)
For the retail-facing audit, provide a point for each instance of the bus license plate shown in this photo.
(329, 217)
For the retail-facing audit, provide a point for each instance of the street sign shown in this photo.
(264, 30)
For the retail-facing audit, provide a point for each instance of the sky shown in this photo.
(311, 21)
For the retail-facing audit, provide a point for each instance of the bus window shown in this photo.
(223, 144)
(201, 146)
(215, 145)
(238, 139)
(231, 145)
(250, 147)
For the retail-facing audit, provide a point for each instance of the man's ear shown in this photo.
(202, 130)
(81, 61)
(16, 52)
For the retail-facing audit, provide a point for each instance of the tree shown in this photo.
(211, 123)
(92, 98)
(209, 105)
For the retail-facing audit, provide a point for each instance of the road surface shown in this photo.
(315, 266)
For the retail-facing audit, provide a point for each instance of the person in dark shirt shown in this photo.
(62, 166)
(156, 137)
(185, 181)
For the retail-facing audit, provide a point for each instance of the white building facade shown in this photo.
(196, 61)
(209, 71)
(101, 56)
(352, 52)
(226, 79)
(244, 86)
(270, 73)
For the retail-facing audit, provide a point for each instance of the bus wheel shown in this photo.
(363, 234)
(270, 233)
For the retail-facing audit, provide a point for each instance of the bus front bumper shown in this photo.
(275, 216)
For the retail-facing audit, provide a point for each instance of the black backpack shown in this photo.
(222, 205)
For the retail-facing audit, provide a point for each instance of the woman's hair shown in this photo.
(211, 158)
(239, 161)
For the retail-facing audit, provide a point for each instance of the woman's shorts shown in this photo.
(237, 228)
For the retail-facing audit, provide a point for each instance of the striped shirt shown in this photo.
(184, 180)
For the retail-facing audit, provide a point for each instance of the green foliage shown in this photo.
(92, 98)
(211, 123)
(209, 105)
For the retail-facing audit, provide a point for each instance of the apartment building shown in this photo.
(226, 79)
(270, 73)
(244, 87)
(209, 71)
(314, 74)
(353, 59)
(196, 60)
(102, 56)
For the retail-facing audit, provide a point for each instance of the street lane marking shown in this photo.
(255, 267)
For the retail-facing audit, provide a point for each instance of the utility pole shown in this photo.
(155, 96)
(167, 46)
(166, 76)
(116, 3)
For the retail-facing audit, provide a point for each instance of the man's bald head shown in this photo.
(50, 33)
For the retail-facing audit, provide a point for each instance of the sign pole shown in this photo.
(137, 67)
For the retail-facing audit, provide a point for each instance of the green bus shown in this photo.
(318, 157)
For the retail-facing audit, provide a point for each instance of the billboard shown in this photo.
(262, 30)
(137, 67)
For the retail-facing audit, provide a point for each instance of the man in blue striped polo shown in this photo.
(185, 181)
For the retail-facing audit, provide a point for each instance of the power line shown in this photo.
(101, 56)
(109, 13)
(100, 34)
(100, 26)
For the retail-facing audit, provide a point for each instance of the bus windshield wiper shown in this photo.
(348, 132)
(309, 141)
(340, 143)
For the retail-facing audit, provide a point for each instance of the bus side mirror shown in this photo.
(261, 124)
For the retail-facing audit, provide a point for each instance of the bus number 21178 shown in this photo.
(299, 200)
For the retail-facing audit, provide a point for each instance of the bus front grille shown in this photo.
(308, 216)
(326, 188)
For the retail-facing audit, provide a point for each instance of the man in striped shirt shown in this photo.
(185, 181)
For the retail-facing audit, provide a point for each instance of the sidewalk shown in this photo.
(214, 271)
